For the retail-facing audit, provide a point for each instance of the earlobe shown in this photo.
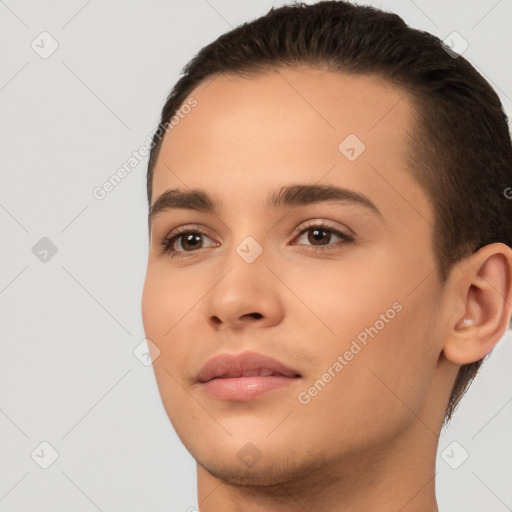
(485, 289)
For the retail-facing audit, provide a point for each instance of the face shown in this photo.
(281, 260)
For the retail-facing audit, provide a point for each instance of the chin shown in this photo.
(242, 476)
(262, 474)
(275, 468)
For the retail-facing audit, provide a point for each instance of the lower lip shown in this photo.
(242, 389)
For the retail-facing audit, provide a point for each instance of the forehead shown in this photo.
(294, 125)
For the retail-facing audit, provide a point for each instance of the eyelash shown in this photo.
(169, 240)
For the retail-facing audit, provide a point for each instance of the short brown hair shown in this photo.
(460, 151)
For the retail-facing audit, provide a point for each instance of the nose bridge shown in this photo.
(244, 291)
(245, 253)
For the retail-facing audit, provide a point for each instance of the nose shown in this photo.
(247, 295)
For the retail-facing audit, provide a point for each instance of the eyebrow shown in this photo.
(288, 196)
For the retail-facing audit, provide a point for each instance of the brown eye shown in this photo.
(190, 241)
(322, 237)
(183, 241)
(319, 236)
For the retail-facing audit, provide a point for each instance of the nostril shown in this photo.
(256, 315)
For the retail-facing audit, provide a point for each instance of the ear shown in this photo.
(480, 293)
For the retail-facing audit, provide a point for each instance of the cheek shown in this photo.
(168, 298)
(381, 331)
(166, 301)
(391, 372)
(371, 397)
(345, 296)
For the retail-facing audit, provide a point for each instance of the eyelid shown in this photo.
(188, 227)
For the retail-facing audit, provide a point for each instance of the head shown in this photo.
(280, 113)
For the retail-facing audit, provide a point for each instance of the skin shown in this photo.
(368, 439)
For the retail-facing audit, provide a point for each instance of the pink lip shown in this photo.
(222, 376)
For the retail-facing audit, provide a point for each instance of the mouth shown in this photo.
(245, 376)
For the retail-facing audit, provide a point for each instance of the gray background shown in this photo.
(69, 325)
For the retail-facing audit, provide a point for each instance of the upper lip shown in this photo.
(235, 365)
